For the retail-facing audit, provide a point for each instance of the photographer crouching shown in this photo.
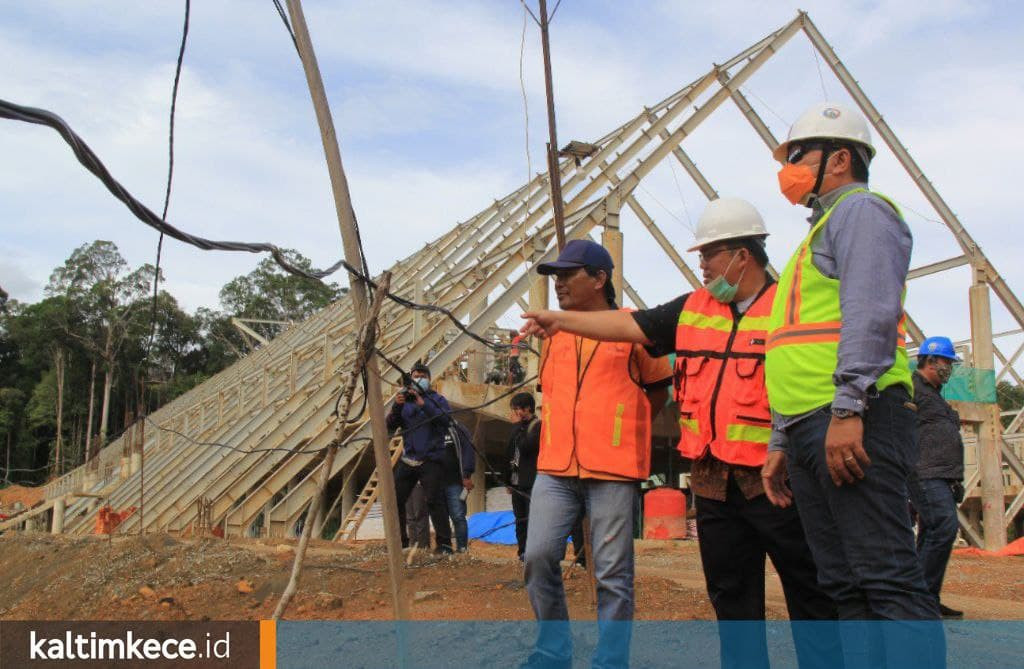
(422, 414)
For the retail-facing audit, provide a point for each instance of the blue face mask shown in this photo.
(721, 289)
(423, 382)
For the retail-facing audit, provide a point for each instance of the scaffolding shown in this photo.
(270, 413)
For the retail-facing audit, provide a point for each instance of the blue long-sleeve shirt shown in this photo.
(423, 427)
(866, 246)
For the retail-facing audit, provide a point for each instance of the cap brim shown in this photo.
(552, 267)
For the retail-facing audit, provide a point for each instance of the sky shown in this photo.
(429, 112)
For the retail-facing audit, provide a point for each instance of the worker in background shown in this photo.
(595, 448)
(718, 336)
(936, 485)
(423, 416)
(459, 462)
(840, 387)
(521, 456)
(417, 519)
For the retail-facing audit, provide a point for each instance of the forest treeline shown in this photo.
(77, 366)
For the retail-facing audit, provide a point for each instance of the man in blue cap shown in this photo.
(936, 485)
(595, 447)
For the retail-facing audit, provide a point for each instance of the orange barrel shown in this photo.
(664, 514)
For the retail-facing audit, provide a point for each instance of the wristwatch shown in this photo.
(844, 413)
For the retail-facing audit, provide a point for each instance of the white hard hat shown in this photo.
(828, 120)
(728, 218)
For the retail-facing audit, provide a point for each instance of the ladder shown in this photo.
(357, 514)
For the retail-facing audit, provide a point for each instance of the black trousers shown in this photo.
(521, 511)
(735, 536)
(431, 476)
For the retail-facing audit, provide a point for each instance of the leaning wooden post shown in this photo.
(364, 351)
(350, 242)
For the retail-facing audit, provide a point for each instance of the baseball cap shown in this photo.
(579, 253)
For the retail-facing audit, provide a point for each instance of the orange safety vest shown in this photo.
(719, 379)
(594, 409)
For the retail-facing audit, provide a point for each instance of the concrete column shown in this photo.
(136, 463)
(990, 459)
(611, 240)
(89, 479)
(125, 469)
(477, 500)
(477, 371)
(59, 508)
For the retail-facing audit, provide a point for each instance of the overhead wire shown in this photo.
(748, 91)
(669, 211)
(287, 23)
(682, 198)
(170, 178)
(91, 162)
(526, 131)
(821, 77)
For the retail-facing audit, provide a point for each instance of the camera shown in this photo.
(409, 391)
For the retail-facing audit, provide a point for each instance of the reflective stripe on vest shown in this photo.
(805, 324)
(593, 409)
(719, 379)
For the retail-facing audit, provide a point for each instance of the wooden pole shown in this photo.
(350, 242)
(553, 173)
(364, 352)
(990, 459)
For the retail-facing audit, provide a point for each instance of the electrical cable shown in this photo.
(287, 23)
(170, 177)
(821, 77)
(91, 162)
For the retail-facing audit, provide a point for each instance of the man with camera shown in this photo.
(423, 416)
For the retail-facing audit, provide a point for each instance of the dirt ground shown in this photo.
(160, 577)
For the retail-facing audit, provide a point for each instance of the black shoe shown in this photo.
(443, 550)
(538, 660)
(947, 612)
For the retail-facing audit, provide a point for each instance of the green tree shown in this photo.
(1010, 398)
(270, 293)
(12, 403)
(103, 294)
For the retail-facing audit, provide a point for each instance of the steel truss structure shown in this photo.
(281, 396)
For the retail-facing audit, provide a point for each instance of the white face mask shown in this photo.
(423, 382)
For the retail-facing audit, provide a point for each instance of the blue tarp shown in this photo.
(494, 527)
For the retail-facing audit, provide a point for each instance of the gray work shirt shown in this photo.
(866, 246)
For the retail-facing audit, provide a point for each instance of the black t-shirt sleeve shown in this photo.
(659, 325)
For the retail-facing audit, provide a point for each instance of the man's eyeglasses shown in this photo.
(706, 256)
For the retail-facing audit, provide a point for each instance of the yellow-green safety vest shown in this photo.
(803, 333)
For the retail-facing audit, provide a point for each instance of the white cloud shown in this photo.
(428, 109)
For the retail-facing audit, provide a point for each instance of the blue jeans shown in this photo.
(936, 511)
(861, 537)
(457, 512)
(555, 504)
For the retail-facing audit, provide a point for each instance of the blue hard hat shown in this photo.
(940, 347)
